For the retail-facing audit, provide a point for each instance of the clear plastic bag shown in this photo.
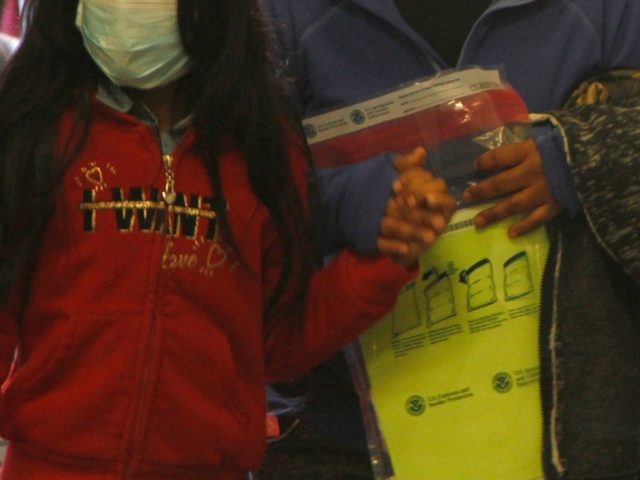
(457, 116)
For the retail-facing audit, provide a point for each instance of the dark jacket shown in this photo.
(590, 338)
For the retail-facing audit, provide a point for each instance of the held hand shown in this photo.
(520, 178)
(408, 161)
(417, 213)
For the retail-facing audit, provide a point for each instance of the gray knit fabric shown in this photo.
(604, 156)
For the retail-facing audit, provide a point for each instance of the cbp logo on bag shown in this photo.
(502, 382)
(310, 130)
(358, 117)
(415, 405)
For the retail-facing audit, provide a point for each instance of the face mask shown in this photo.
(136, 43)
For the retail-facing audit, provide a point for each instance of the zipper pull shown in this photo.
(169, 193)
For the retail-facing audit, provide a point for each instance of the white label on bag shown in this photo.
(409, 99)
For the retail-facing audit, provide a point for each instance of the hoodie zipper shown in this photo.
(140, 402)
(169, 195)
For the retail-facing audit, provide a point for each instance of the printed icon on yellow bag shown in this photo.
(406, 314)
(439, 295)
(415, 405)
(481, 288)
(502, 382)
(517, 276)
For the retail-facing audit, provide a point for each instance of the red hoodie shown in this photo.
(141, 353)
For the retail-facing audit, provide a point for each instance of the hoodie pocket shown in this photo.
(72, 388)
(41, 357)
(199, 400)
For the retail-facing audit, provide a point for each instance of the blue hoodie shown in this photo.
(336, 52)
(339, 51)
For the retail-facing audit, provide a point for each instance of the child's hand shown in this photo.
(522, 181)
(417, 213)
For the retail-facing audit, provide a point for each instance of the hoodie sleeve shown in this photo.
(342, 300)
(353, 199)
(338, 302)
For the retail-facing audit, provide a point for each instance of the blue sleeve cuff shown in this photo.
(353, 199)
(556, 168)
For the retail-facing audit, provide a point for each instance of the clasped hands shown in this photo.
(420, 206)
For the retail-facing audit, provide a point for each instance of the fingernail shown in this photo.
(397, 186)
(427, 236)
(480, 222)
(431, 200)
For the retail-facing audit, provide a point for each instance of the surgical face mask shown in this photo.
(136, 43)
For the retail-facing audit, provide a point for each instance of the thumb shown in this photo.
(407, 161)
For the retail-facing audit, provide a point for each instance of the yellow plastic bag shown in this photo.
(453, 371)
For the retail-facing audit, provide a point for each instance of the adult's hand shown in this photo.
(521, 181)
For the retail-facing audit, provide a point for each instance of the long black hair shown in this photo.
(231, 90)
